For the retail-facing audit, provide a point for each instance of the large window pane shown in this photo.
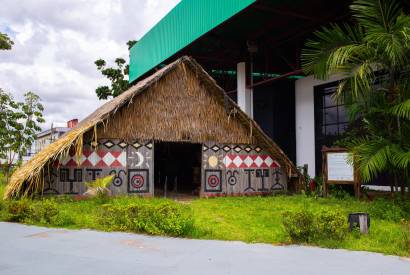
(342, 114)
(330, 115)
(332, 130)
(328, 100)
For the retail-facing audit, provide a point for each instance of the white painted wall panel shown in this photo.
(305, 120)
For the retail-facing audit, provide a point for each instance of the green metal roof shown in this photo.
(189, 20)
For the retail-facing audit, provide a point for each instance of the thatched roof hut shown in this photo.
(176, 110)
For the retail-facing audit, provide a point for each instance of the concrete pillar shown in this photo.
(244, 95)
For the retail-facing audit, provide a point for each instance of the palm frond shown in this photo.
(372, 156)
(376, 14)
(331, 45)
(402, 110)
(401, 159)
(386, 28)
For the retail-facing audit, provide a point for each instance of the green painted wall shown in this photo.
(189, 20)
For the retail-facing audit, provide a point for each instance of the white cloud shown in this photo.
(57, 42)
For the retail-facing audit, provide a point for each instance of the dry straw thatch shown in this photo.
(165, 114)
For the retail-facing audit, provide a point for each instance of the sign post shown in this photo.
(336, 169)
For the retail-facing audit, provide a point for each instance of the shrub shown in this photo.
(26, 210)
(63, 219)
(339, 193)
(388, 209)
(44, 211)
(18, 210)
(305, 226)
(99, 188)
(167, 218)
(299, 225)
(330, 225)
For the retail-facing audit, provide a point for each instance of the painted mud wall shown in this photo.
(131, 164)
(226, 169)
(229, 169)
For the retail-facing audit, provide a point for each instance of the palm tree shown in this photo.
(372, 54)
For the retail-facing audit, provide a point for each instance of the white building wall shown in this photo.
(305, 120)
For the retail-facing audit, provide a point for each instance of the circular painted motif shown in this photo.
(117, 181)
(232, 180)
(213, 161)
(137, 181)
(213, 181)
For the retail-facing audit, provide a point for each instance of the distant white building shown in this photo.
(50, 135)
(45, 138)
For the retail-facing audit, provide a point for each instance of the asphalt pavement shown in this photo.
(37, 250)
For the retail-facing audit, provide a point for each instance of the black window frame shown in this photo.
(341, 121)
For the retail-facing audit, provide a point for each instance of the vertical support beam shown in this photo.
(244, 94)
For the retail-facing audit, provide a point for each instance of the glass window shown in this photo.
(328, 100)
(330, 120)
(332, 130)
(330, 115)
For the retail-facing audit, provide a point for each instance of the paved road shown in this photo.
(37, 250)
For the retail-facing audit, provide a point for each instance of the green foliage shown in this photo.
(309, 227)
(167, 218)
(100, 182)
(18, 210)
(299, 225)
(390, 210)
(98, 188)
(19, 122)
(118, 76)
(5, 42)
(330, 224)
(63, 219)
(318, 188)
(2, 181)
(372, 53)
(26, 210)
(406, 235)
(338, 192)
(44, 211)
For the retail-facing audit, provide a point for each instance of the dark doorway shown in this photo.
(177, 169)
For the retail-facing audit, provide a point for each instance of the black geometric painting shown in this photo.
(213, 180)
(138, 181)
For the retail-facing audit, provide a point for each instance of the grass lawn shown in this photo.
(257, 219)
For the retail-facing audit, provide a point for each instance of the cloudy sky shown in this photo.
(57, 42)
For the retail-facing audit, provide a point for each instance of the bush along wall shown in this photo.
(165, 218)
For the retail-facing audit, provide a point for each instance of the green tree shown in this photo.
(118, 76)
(372, 54)
(5, 42)
(19, 122)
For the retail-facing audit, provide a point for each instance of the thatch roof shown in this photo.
(30, 177)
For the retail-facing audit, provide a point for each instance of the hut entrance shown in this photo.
(177, 168)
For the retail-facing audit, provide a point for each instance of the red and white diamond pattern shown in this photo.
(249, 161)
(100, 159)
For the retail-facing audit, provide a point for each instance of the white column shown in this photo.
(244, 95)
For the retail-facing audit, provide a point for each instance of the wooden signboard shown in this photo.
(336, 169)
